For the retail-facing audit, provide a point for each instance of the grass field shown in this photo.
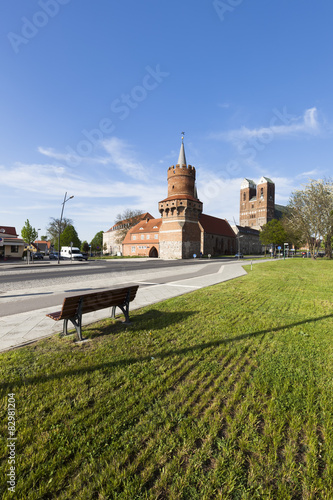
(225, 393)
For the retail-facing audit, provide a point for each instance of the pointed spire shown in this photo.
(182, 157)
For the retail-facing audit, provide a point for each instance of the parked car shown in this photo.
(37, 256)
(54, 256)
(239, 256)
(84, 255)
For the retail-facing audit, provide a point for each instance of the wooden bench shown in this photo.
(74, 307)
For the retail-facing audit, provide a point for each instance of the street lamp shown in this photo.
(62, 212)
(38, 237)
(239, 237)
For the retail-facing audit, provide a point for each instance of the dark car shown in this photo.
(54, 256)
(239, 256)
(37, 256)
(84, 255)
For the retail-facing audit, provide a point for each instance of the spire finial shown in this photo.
(183, 133)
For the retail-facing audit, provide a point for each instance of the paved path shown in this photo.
(157, 285)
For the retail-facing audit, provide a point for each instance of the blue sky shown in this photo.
(95, 95)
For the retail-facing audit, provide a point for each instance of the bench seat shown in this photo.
(75, 306)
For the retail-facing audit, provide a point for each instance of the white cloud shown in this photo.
(291, 125)
(50, 180)
(71, 159)
(121, 157)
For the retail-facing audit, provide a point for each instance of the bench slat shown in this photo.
(117, 297)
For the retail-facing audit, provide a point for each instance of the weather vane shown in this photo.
(183, 133)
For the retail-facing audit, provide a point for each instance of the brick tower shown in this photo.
(265, 201)
(257, 203)
(247, 210)
(180, 212)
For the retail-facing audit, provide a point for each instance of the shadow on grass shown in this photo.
(121, 363)
(148, 320)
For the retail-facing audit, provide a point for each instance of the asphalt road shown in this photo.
(24, 290)
(47, 270)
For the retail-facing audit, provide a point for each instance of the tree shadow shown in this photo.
(172, 318)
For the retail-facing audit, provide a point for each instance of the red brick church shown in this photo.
(183, 231)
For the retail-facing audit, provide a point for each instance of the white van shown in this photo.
(72, 253)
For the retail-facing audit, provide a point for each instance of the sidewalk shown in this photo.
(20, 329)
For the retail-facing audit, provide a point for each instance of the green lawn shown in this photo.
(225, 393)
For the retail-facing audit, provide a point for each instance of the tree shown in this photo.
(311, 214)
(97, 242)
(29, 233)
(85, 247)
(53, 228)
(273, 233)
(294, 235)
(127, 219)
(44, 237)
(68, 236)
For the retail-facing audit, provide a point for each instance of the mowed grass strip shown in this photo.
(226, 392)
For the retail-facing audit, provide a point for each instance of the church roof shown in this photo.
(265, 179)
(248, 183)
(214, 225)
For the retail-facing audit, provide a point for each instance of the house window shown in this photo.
(142, 236)
(133, 249)
(244, 196)
(155, 236)
(148, 236)
(14, 249)
(133, 236)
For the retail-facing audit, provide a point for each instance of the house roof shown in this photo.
(8, 230)
(128, 221)
(143, 227)
(214, 225)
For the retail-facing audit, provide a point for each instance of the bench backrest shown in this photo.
(97, 300)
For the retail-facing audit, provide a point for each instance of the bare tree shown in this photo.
(54, 226)
(311, 214)
(125, 220)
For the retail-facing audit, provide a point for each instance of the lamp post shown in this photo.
(62, 212)
(38, 237)
(239, 237)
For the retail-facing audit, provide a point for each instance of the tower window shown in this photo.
(244, 196)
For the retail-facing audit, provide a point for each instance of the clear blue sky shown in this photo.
(95, 95)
